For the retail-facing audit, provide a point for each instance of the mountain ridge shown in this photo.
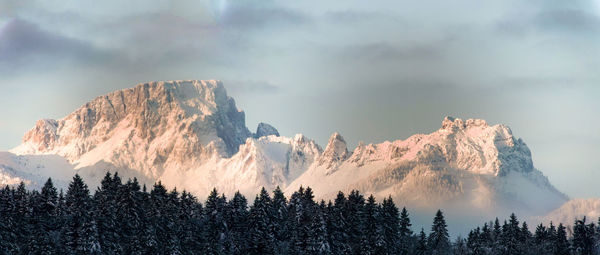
(190, 134)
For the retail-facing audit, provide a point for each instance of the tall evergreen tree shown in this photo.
(355, 219)
(421, 248)
(511, 233)
(318, 242)
(79, 233)
(281, 231)
(390, 222)
(105, 201)
(405, 233)
(561, 244)
(261, 233)
(438, 240)
(238, 222)
(338, 225)
(583, 237)
(47, 224)
(372, 236)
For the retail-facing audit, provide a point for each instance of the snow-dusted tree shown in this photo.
(511, 236)
(583, 237)
(561, 244)
(79, 231)
(390, 224)
(405, 233)
(474, 242)
(215, 225)
(261, 233)
(373, 241)
(281, 231)
(46, 223)
(105, 201)
(237, 221)
(8, 244)
(438, 239)
(338, 225)
(460, 247)
(355, 219)
(421, 248)
(318, 242)
(130, 216)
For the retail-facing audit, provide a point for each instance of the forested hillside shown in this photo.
(124, 218)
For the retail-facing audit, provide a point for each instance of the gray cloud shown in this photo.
(251, 87)
(23, 44)
(569, 20)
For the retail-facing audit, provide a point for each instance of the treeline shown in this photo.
(124, 218)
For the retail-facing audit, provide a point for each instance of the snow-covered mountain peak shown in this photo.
(335, 152)
(147, 127)
(451, 123)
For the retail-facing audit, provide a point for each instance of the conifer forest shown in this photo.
(125, 218)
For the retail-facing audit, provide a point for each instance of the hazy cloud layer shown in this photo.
(372, 71)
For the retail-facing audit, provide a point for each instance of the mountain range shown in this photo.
(191, 135)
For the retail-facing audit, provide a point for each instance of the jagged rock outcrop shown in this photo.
(149, 127)
(335, 152)
(265, 129)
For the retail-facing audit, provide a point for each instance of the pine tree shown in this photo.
(130, 216)
(583, 237)
(421, 247)
(460, 247)
(355, 219)
(45, 210)
(338, 225)
(474, 242)
(372, 236)
(525, 237)
(281, 230)
(390, 222)
(511, 233)
(497, 236)
(21, 217)
(318, 237)
(405, 232)
(486, 238)
(215, 223)
(438, 240)
(261, 234)
(540, 239)
(105, 201)
(561, 244)
(80, 234)
(8, 237)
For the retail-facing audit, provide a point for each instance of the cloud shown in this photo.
(252, 87)
(383, 51)
(253, 15)
(569, 20)
(24, 44)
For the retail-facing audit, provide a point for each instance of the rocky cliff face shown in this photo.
(149, 127)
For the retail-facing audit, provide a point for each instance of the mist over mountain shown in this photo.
(191, 135)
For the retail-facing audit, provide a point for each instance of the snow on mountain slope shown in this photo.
(465, 164)
(190, 134)
(151, 127)
(571, 210)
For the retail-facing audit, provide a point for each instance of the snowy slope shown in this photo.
(191, 135)
(571, 210)
(463, 164)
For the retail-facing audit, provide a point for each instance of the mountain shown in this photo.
(571, 210)
(190, 134)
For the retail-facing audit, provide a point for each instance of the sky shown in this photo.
(371, 70)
